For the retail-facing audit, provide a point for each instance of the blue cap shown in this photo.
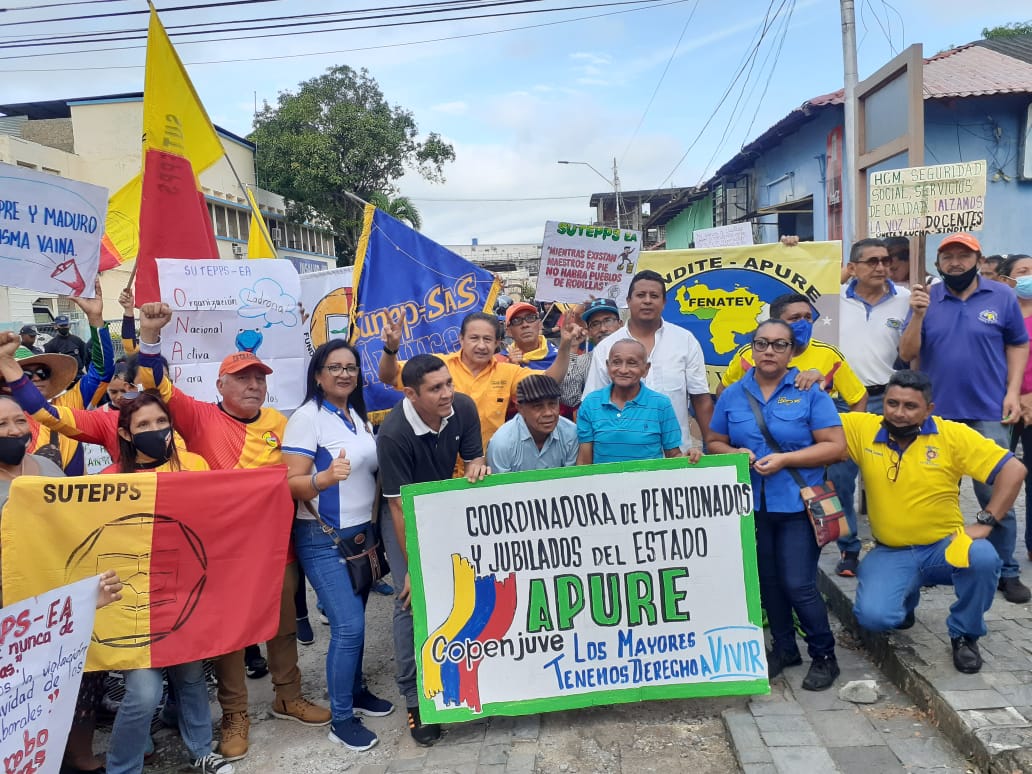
(599, 305)
(62, 319)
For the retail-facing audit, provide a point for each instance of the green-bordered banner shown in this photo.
(575, 587)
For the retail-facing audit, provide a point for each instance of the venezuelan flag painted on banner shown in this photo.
(482, 609)
(401, 274)
(201, 555)
(179, 143)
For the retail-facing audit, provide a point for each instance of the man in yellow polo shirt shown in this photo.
(912, 464)
(475, 371)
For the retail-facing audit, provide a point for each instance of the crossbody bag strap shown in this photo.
(330, 531)
(758, 413)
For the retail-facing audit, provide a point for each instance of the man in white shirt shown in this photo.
(872, 311)
(677, 367)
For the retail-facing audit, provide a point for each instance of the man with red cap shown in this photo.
(238, 432)
(529, 347)
(968, 334)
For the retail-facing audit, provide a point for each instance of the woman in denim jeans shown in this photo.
(331, 465)
(807, 428)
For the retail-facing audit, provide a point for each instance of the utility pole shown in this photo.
(850, 163)
(616, 190)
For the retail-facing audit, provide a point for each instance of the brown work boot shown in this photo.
(301, 710)
(235, 726)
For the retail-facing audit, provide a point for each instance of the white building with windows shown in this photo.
(97, 140)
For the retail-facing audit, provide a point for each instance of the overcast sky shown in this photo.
(515, 102)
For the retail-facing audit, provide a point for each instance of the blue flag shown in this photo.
(401, 274)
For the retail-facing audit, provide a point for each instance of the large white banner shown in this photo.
(581, 586)
(222, 307)
(580, 262)
(50, 231)
(43, 645)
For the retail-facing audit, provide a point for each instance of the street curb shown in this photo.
(995, 749)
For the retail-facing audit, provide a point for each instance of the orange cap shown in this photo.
(238, 361)
(519, 308)
(966, 240)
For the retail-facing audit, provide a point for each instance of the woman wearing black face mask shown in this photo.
(145, 444)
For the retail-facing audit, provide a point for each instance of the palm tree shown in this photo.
(400, 207)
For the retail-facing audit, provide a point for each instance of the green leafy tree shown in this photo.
(400, 207)
(1012, 30)
(337, 134)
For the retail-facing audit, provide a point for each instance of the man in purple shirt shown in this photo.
(968, 334)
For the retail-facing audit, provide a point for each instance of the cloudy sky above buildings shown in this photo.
(669, 88)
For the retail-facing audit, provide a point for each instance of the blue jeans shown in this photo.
(1024, 434)
(843, 476)
(890, 581)
(143, 689)
(326, 571)
(787, 553)
(1005, 534)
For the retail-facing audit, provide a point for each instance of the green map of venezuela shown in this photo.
(729, 312)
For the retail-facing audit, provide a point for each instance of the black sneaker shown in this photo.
(1014, 590)
(966, 656)
(255, 666)
(423, 733)
(777, 661)
(822, 674)
(352, 734)
(305, 635)
(848, 564)
(908, 621)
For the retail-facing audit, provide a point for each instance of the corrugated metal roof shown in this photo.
(978, 69)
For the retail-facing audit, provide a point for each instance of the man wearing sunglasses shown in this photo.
(529, 347)
(872, 310)
(912, 462)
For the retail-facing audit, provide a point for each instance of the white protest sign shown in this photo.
(326, 296)
(222, 307)
(581, 261)
(50, 231)
(95, 457)
(581, 586)
(43, 644)
(940, 199)
(732, 235)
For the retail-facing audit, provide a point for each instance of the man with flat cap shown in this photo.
(536, 438)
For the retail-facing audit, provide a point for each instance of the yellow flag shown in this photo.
(121, 239)
(174, 120)
(259, 243)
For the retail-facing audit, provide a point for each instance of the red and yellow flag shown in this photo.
(121, 239)
(259, 242)
(179, 143)
(201, 555)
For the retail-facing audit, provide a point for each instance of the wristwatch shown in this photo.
(986, 518)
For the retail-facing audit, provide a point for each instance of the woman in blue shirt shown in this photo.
(807, 428)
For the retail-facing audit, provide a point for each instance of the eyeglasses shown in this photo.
(530, 319)
(872, 262)
(595, 324)
(40, 372)
(893, 472)
(778, 345)
(336, 369)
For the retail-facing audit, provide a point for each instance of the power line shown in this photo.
(339, 29)
(655, 91)
(172, 9)
(58, 5)
(348, 50)
(104, 36)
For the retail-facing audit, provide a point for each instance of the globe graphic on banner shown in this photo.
(722, 308)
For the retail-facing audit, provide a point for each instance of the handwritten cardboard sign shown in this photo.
(222, 307)
(731, 235)
(940, 199)
(578, 262)
(574, 587)
(50, 231)
(43, 645)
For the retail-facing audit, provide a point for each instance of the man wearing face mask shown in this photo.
(912, 462)
(67, 343)
(968, 335)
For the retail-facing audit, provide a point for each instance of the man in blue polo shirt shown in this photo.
(537, 438)
(969, 336)
(626, 420)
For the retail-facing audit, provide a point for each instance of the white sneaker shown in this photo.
(212, 763)
(323, 619)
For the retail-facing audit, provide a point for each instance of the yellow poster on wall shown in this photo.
(722, 294)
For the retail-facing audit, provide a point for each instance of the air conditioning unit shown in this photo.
(277, 235)
(239, 251)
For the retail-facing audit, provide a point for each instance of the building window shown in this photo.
(232, 225)
(220, 221)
